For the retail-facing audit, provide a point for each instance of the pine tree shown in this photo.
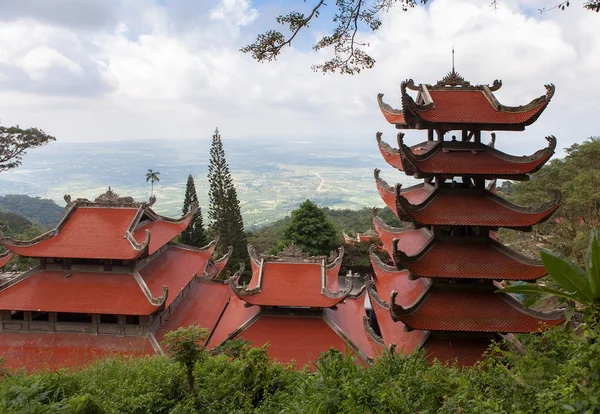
(224, 211)
(194, 234)
(311, 230)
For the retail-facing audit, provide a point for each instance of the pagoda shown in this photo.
(109, 277)
(447, 263)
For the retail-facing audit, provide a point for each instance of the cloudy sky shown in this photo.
(102, 70)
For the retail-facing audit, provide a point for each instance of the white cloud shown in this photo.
(162, 79)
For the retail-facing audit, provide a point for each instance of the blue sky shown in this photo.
(105, 70)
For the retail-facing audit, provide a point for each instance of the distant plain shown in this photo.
(272, 177)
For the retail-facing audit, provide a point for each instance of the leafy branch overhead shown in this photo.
(14, 143)
(350, 17)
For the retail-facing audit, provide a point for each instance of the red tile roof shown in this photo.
(393, 333)
(5, 258)
(43, 351)
(297, 339)
(470, 259)
(416, 193)
(174, 268)
(458, 309)
(473, 207)
(347, 319)
(161, 232)
(203, 305)
(235, 318)
(292, 284)
(409, 239)
(463, 352)
(387, 279)
(472, 107)
(467, 158)
(89, 233)
(81, 292)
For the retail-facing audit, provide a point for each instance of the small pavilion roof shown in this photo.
(409, 239)
(468, 258)
(292, 279)
(41, 351)
(216, 266)
(456, 158)
(110, 227)
(443, 307)
(454, 103)
(416, 193)
(473, 207)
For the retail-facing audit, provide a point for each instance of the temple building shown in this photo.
(365, 237)
(293, 302)
(440, 293)
(108, 278)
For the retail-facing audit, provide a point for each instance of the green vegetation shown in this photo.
(578, 178)
(194, 234)
(152, 176)
(267, 238)
(556, 372)
(184, 346)
(224, 210)
(15, 141)
(575, 284)
(310, 230)
(38, 210)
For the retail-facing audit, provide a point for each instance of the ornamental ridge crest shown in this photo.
(292, 251)
(453, 79)
(110, 197)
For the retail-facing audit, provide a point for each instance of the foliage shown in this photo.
(556, 371)
(38, 210)
(152, 176)
(14, 143)
(578, 178)
(194, 234)
(310, 230)
(184, 346)
(575, 283)
(350, 17)
(224, 210)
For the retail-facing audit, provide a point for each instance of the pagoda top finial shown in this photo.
(453, 59)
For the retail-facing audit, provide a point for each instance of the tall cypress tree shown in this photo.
(194, 234)
(224, 210)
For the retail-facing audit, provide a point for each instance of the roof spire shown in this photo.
(453, 60)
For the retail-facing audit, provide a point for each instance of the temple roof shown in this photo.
(454, 103)
(41, 351)
(444, 307)
(111, 227)
(141, 292)
(216, 266)
(467, 258)
(292, 279)
(456, 158)
(472, 207)
(409, 239)
(416, 193)
(462, 351)
(5, 258)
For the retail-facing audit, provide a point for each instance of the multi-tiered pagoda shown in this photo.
(109, 276)
(441, 292)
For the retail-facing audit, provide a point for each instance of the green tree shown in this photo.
(311, 230)
(224, 210)
(194, 234)
(185, 347)
(575, 283)
(14, 143)
(152, 176)
(349, 18)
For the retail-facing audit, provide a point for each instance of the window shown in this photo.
(17, 315)
(40, 316)
(109, 319)
(74, 317)
(132, 320)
